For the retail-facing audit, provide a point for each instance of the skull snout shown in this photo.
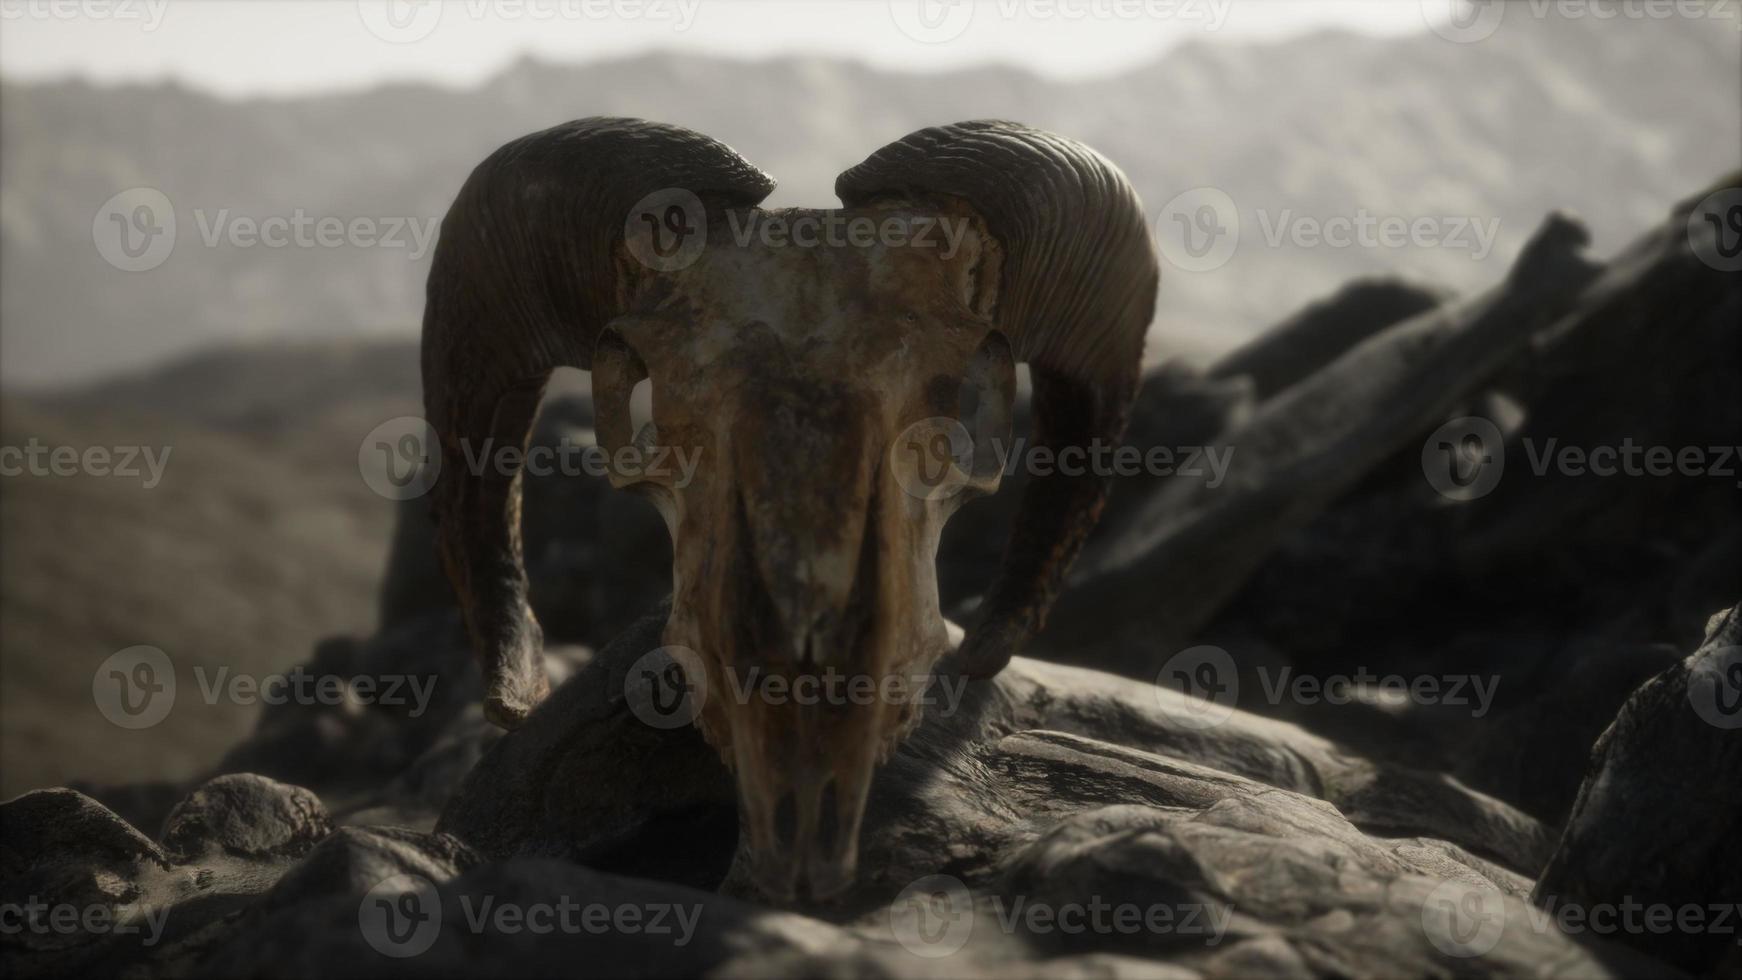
(803, 748)
(803, 502)
(801, 799)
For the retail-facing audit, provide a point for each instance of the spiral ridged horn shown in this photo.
(1075, 284)
(529, 268)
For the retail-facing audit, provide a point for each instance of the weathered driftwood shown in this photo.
(1171, 564)
(1319, 334)
(1647, 356)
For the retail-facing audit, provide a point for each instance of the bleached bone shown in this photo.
(790, 373)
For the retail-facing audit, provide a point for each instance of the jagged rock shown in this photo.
(401, 751)
(1559, 714)
(615, 793)
(354, 859)
(73, 880)
(1655, 821)
(985, 790)
(1054, 819)
(248, 816)
(465, 933)
(140, 804)
(1048, 847)
(95, 896)
(51, 825)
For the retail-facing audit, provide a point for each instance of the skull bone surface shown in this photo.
(842, 380)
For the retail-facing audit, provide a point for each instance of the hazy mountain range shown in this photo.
(1613, 119)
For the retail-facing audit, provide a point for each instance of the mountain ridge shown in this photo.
(1321, 127)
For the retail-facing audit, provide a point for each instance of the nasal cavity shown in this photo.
(786, 821)
(828, 822)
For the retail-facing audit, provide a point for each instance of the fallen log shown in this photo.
(1317, 335)
(1172, 562)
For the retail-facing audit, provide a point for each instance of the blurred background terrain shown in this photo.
(264, 368)
(1553, 114)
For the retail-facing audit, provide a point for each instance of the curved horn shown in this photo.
(529, 268)
(1074, 290)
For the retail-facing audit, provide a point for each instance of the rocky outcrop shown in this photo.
(1056, 818)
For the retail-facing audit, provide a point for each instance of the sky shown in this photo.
(244, 48)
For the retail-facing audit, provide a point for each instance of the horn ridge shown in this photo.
(525, 275)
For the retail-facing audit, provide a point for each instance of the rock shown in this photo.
(71, 871)
(1560, 717)
(987, 782)
(482, 923)
(1055, 819)
(81, 889)
(247, 816)
(616, 792)
(354, 859)
(1655, 821)
(140, 804)
(51, 825)
(402, 749)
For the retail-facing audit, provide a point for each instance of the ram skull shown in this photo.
(802, 374)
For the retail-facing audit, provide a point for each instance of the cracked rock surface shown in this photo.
(1056, 818)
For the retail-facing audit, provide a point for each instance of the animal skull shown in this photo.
(806, 377)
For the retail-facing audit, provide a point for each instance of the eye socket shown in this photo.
(949, 460)
(618, 376)
(984, 403)
(968, 403)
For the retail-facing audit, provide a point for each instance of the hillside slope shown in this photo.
(1544, 114)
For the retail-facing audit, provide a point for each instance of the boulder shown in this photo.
(1655, 821)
